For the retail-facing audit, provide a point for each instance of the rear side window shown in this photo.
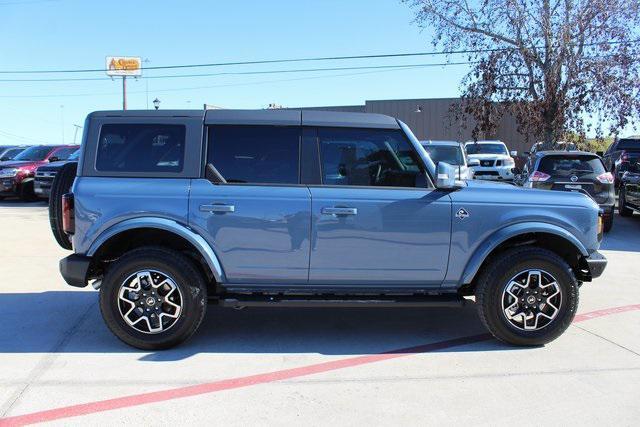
(255, 154)
(367, 157)
(565, 167)
(141, 148)
(629, 144)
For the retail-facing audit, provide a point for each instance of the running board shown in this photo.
(342, 301)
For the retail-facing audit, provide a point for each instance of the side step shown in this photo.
(240, 301)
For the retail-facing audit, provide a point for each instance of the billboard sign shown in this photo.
(124, 66)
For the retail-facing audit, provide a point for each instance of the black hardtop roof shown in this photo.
(565, 153)
(282, 117)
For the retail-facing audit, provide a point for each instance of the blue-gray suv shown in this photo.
(172, 210)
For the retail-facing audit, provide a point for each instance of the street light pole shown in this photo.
(75, 134)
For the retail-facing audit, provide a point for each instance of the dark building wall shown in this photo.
(433, 119)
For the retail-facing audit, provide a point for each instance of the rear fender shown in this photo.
(164, 224)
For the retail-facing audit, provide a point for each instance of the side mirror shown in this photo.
(473, 162)
(514, 154)
(600, 153)
(53, 159)
(446, 176)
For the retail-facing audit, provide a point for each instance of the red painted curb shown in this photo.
(233, 383)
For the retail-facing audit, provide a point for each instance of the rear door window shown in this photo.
(255, 154)
(141, 148)
(587, 167)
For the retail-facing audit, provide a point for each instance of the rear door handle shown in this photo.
(217, 208)
(340, 211)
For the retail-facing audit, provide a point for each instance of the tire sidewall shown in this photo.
(568, 307)
(193, 303)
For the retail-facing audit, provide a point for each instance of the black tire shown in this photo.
(623, 210)
(188, 279)
(25, 192)
(608, 222)
(61, 185)
(496, 276)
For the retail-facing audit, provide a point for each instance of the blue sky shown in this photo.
(68, 34)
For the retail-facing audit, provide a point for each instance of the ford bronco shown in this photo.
(167, 211)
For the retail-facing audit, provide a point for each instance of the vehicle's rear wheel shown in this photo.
(623, 209)
(61, 185)
(527, 296)
(153, 298)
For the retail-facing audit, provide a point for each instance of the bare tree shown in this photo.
(557, 65)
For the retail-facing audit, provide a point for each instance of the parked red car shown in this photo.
(16, 176)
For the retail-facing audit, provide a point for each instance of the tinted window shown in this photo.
(629, 144)
(445, 153)
(64, 153)
(141, 148)
(367, 157)
(255, 154)
(37, 153)
(565, 167)
(12, 153)
(486, 149)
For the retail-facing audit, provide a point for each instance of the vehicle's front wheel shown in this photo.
(608, 222)
(153, 298)
(623, 209)
(527, 296)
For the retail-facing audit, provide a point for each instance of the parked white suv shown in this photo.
(451, 152)
(496, 163)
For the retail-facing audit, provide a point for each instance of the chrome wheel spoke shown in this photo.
(150, 301)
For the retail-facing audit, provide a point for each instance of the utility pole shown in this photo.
(146, 81)
(124, 92)
(62, 121)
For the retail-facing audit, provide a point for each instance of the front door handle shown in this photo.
(340, 211)
(217, 208)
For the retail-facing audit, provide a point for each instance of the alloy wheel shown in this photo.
(150, 301)
(531, 300)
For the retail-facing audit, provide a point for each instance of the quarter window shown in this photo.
(255, 154)
(368, 157)
(141, 148)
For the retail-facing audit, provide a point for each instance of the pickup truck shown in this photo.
(167, 211)
(620, 155)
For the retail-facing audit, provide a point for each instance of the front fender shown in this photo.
(166, 225)
(513, 230)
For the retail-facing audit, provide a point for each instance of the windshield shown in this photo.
(445, 153)
(486, 149)
(565, 167)
(37, 153)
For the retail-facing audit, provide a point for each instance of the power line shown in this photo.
(66, 95)
(290, 60)
(242, 73)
